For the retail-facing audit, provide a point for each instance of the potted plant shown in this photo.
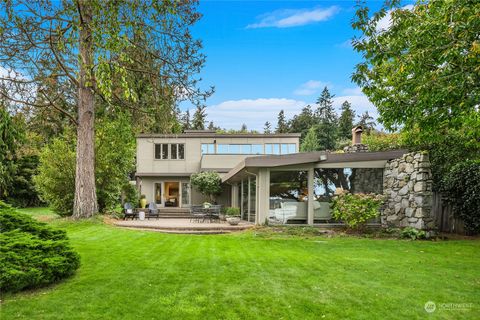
(143, 201)
(233, 215)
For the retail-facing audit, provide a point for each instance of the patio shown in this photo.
(183, 226)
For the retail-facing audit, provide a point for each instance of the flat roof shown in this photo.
(311, 157)
(209, 134)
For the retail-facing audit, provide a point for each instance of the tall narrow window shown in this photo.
(181, 151)
(158, 151)
(173, 151)
(164, 151)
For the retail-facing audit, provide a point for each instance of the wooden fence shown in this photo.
(443, 215)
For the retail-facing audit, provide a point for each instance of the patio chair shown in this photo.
(197, 213)
(152, 211)
(215, 211)
(128, 211)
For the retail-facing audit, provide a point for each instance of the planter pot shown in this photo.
(233, 220)
(143, 203)
(141, 215)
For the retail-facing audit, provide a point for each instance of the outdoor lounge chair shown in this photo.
(152, 211)
(128, 211)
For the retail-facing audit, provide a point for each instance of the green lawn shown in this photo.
(128, 274)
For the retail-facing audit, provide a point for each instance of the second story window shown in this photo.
(208, 148)
(276, 148)
(173, 151)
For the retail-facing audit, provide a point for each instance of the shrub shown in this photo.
(356, 209)
(131, 193)
(208, 183)
(114, 159)
(412, 233)
(32, 253)
(231, 211)
(462, 188)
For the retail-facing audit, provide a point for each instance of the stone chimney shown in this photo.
(357, 145)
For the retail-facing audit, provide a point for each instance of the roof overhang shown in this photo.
(334, 159)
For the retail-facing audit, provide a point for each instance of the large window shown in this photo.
(288, 197)
(330, 181)
(208, 148)
(269, 148)
(283, 148)
(174, 151)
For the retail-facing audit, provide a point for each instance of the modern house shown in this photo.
(267, 177)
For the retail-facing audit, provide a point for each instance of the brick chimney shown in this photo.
(357, 145)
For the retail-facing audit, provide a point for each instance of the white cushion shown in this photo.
(129, 211)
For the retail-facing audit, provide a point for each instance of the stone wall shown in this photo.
(407, 184)
(359, 147)
(366, 180)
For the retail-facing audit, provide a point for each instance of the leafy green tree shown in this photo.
(367, 122)
(310, 143)
(422, 71)
(208, 183)
(267, 129)
(462, 183)
(345, 122)
(86, 51)
(199, 118)
(114, 160)
(282, 126)
(327, 129)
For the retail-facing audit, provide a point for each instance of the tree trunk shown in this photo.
(85, 204)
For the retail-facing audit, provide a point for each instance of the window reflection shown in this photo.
(288, 197)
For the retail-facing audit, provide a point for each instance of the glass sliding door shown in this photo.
(186, 194)
(244, 199)
(253, 199)
(157, 192)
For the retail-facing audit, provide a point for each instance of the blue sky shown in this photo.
(264, 56)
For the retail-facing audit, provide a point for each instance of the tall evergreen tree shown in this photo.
(367, 122)
(345, 122)
(310, 143)
(327, 129)
(282, 126)
(198, 122)
(211, 126)
(243, 128)
(267, 129)
(186, 120)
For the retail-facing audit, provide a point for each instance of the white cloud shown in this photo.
(386, 21)
(310, 87)
(253, 112)
(352, 91)
(286, 18)
(360, 104)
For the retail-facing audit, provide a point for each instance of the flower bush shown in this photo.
(32, 254)
(356, 209)
(208, 183)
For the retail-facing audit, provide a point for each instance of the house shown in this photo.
(267, 177)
